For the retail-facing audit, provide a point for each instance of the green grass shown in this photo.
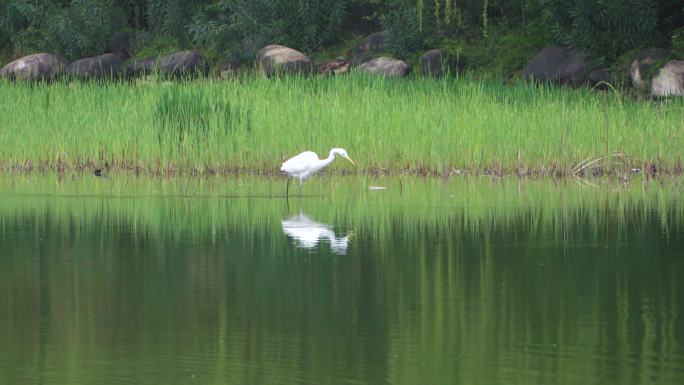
(252, 124)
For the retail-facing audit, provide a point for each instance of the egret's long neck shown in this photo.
(329, 159)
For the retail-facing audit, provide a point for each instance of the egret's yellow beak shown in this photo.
(349, 159)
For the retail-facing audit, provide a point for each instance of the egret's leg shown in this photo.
(300, 189)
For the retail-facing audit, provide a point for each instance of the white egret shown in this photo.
(304, 165)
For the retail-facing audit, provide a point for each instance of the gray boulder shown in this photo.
(179, 63)
(370, 46)
(669, 81)
(641, 65)
(142, 67)
(386, 66)
(184, 62)
(559, 65)
(434, 63)
(40, 66)
(108, 65)
(278, 59)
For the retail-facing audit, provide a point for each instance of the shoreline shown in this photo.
(648, 170)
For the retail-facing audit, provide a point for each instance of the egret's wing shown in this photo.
(300, 163)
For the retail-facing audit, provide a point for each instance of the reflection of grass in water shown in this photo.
(472, 298)
(254, 123)
(196, 205)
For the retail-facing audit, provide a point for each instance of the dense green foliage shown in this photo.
(606, 29)
(74, 29)
(243, 26)
(404, 25)
(235, 29)
(416, 124)
(170, 17)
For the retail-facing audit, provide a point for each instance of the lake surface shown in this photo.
(428, 281)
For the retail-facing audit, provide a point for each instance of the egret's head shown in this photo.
(343, 153)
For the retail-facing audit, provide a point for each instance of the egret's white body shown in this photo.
(304, 165)
(308, 233)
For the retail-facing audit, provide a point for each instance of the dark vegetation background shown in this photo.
(494, 35)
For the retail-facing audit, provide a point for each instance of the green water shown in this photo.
(429, 281)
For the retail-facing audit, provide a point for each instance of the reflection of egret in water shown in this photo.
(307, 233)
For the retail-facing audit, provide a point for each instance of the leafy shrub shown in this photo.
(404, 29)
(246, 25)
(169, 18)
(678, 43)
(605, 29)
(78, 29)
(21, 22)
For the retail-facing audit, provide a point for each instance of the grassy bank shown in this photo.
(252, 124)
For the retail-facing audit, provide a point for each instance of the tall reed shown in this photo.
(253, 124)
